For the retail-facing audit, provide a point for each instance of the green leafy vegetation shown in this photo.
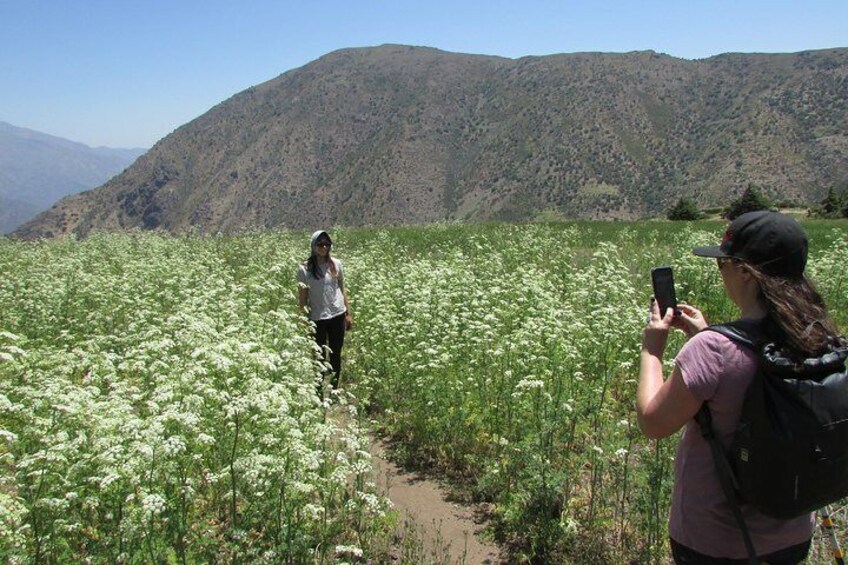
(159, 396)
(751, 200)
(834, 204)
(684, 209)
(158, 404)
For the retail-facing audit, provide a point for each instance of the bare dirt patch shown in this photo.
(450, 532)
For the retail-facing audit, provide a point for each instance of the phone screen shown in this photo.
(663, 281)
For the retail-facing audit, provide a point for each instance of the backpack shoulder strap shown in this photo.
(726, 479)
(748, 333)
(745, 332)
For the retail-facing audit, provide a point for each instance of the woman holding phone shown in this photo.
(321, 293)
(761, 260)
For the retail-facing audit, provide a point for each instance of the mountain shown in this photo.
(15, 212)
(397, 134)
(37, 169)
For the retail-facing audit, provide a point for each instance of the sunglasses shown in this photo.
(323, 244)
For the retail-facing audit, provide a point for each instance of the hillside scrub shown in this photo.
(585, 135)
(834, 204)
(684, 209)
(159, 399)
(751, 200)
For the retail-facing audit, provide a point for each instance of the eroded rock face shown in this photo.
(396, 134)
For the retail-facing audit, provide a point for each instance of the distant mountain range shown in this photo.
(37, 169)
(397, 134)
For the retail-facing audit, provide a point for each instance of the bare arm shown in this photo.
(348, 314)
(663, 406)
(302, 296)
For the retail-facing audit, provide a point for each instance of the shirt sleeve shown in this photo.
(301, 275)
(701, 362)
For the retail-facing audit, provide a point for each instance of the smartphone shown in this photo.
(663, 281)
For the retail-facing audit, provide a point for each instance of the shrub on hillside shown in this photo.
(684, 209)
(834, 205)
(788, 203)
(751, 200)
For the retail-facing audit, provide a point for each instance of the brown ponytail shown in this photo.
(796, 312)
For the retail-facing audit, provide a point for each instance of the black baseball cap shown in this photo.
(772, 241)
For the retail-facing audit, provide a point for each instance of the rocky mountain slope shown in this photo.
(37, 169)
(398, 134)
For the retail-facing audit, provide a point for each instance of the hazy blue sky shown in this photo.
(125, 73)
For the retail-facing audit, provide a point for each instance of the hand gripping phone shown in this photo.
(663, 281)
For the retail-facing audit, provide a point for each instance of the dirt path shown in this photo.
(448, 530)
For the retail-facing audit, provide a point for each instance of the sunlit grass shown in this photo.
(159, 404)
(158, 394)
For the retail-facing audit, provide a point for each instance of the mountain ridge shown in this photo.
(37, 169)
(398, 134)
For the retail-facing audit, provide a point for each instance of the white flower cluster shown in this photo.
(510, 353)
(157, 391)
(158, 394)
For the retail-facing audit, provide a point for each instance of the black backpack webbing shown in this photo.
(725, 477)
(740, 332)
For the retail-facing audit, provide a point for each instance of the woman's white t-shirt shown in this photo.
(325, 293)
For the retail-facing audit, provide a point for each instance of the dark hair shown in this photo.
(314, 270)
(797, 313)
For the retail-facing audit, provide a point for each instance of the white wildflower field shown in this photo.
(159, 394)
(159, 405)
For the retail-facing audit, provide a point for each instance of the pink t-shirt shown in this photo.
(718, 371)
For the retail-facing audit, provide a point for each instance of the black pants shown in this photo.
(331, 332)
(788, 556)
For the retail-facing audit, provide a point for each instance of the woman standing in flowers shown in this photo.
(761, 261)
(321, 292)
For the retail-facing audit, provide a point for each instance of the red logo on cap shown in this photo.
(728, 237)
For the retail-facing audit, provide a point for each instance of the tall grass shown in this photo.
(159, 404)
(505, 356)
(158, 394)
